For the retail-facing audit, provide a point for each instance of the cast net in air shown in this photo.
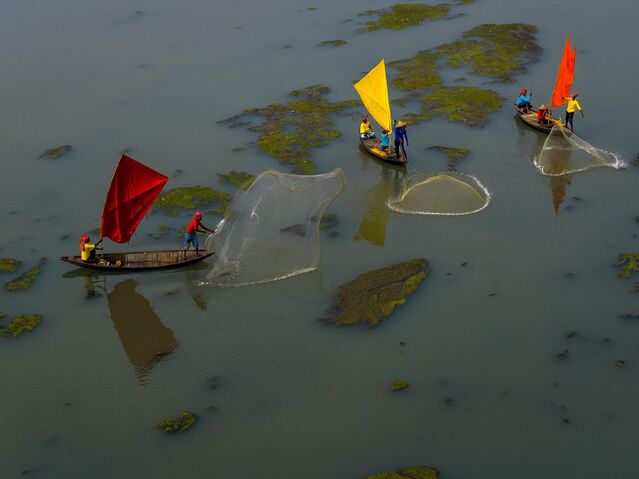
(451, 194)
(271, 229)
(564, 153)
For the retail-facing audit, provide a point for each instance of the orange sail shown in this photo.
(565, 75)
(133, 190)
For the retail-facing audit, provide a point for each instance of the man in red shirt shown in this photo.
(195, 227)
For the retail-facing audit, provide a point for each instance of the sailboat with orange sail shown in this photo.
(563, 84)
(133, 190)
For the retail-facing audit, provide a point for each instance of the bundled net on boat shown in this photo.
(564, 153)
(449, 194)
(271, 229)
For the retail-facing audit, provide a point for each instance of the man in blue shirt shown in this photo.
(400, 137)
(523, 102)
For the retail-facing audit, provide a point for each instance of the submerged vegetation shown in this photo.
(191, 197)
(20, 324)
(183, 422)
(404, 15)
(374, 295)
(56, 152)
(331, 43)
(238, 179)
(454, 155)
(9, 265)
(28, 277)
(630, 263)
(417, 472)
(289, 131)
(399, 385)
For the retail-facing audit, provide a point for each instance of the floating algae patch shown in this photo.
(404, 15)
(331, 43)
(238, 179)
(417, 472)
(630, 264)
(564, 153)
(399, 385)
(328, 223)
(9, 265)
(459, 104)
(28, 277)
(56, 152)
(20, 324)
(418, 72)
(191, 197)
(290, 131)
(374, 295)
(454, 155)
(447, 194)
(184, 421)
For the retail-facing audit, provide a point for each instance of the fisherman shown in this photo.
(542, 115)
(385, 141)
(570, 109)
(523, 102)
(87, 249)
(195, 227)
(365, 129)
(401, 137)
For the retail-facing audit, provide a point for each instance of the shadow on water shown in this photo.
(144, 338)
(372, 228)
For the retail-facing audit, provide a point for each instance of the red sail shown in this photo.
(133, 190)
(565, 75)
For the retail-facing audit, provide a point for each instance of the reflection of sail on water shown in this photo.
(373, 90)
(143, 336)
(559, 162)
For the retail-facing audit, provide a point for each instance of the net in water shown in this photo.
(564, 153)
(271, 229)
(440, 194)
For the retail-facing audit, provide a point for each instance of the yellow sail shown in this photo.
(373, 90)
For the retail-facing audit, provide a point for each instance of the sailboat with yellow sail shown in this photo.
(563, 83)
(373, 90)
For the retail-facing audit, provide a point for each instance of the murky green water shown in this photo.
(279, 393)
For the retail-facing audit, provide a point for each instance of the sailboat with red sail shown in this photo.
(563, 84)
(133, 190)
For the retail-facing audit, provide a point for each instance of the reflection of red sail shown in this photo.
(132, 192)
(565, 75)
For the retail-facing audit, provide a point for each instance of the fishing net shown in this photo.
(564, 153)
(271, 229)
(440, 194)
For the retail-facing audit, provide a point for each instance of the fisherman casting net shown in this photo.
(564, 153)
(450, 194)
(271, 230)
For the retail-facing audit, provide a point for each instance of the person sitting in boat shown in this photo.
(385, 144)
(523, 102)
(543, 113)
(365, 129)
(195, 227)
(401, 137)
(570, 109)
(87, 249)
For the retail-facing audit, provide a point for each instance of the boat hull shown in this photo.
(139, 260)
(372, 147)
(530, 120)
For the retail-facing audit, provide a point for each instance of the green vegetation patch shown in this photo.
(3, 315)
(331, 43)
(418, 72)
(184, 421)
(289, 132)
(9, 265)
(56, 152)
(417, 472)
(404, 15)
(28, 277)
(238, 179)
(454, 155)
(399, 385)
(630, 263)
(191, 197)
(20, 324)
(374, 295)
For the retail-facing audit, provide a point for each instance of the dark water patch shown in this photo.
(399, 385)
(620, 363)
(56, 152)
(185, 421)
(374, 295)
(163, 231)
(417, 472)
(191, 197)
(9, 265)
(20, 324)
(332, 43)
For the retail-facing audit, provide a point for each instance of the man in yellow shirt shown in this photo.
(365, 129)
(570, 110)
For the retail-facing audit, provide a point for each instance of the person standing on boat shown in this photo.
(385, 141)
(365, 129)
(570, 109)
(524, 100)
(401, 137)
(195, 227)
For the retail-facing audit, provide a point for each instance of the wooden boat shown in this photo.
(373, 148)
(530, 119)
(133, 190)
(139, 260)
(373, 90)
